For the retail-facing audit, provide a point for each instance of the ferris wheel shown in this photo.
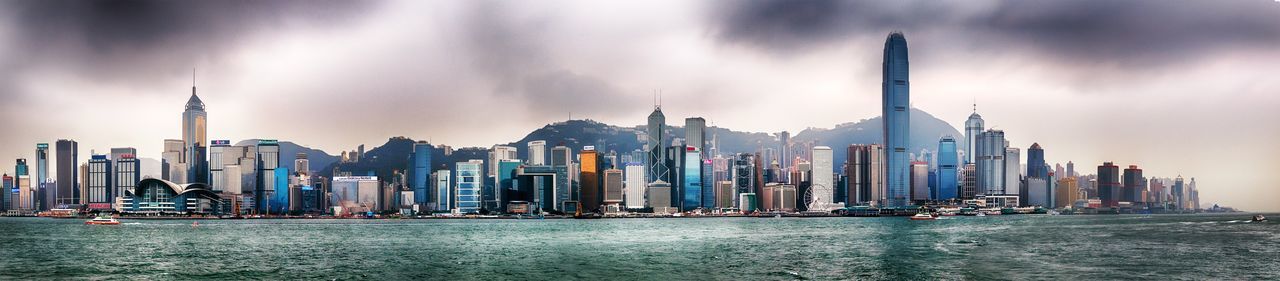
(815, 198)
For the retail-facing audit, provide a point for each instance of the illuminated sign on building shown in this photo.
(221, 142)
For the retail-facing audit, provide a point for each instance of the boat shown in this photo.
(1258, 218)
(102, 220)
(980, 214)
(922, 217)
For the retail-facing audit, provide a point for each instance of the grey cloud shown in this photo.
(1128, 33)
(133, 42)
(514, 51)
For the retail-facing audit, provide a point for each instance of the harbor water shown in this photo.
(1009, 247)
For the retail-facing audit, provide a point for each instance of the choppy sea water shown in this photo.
(1011, 247)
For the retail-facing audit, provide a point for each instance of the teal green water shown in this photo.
(1102, 247)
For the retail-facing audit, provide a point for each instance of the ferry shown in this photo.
(102, 220)
(922, 217)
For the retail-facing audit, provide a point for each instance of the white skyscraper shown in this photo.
(1012, 171)
(823, 180)
(497, 154)
(538, 152)
(635, 185)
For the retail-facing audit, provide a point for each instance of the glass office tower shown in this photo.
(896, 116)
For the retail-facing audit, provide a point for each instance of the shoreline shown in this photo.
(561, 217)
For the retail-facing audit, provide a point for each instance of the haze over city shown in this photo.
(1185, 87)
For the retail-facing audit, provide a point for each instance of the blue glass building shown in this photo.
(1036, 168)
(279, 203)
(467, 181)
(692, 179)
(947, 173)
(421, 173)
(896, 116)
(508, 183)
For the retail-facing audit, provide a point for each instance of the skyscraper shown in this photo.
(865, 169)
(634, 186)
(538, 152)
(823, 183)
(972, 129)
(691, 182)
(1036, 167)
(561, 159)
(896, 116)
(420, 175)
(919, 181)
(589, 181)
(990, 163)
(1134, 184)
(68, 191)
(99, 184)
(127, 171)
(743, 175)
(1012, 171)
(45, 197)
(443, 196)
(268, 160)
(1109, 184)
(948, 185)
(119, 155)
(612, 186)
(172, 163)
(656, 146)
(22, 182)
(467, 187)
(194, 138)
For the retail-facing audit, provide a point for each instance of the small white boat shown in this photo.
(1258, 218)
(981, 214)
(923, 216)
(102, 220)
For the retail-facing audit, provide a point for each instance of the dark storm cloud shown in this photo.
(1129, 33)
(134, 42)
(514, 48)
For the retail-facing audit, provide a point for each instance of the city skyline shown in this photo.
(1155, 125)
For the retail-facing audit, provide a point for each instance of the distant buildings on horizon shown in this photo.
(667, 175)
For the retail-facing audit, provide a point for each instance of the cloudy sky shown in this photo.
(1177, 87)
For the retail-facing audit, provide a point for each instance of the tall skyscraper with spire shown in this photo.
(972, 128)
(195, 139)
(896, 116)
(656, 146)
